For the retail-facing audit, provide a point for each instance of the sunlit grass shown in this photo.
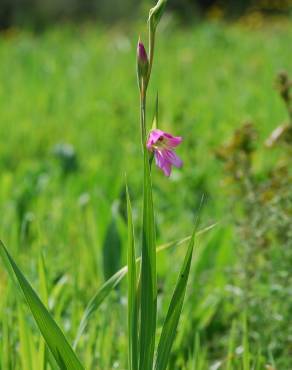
(78, 86)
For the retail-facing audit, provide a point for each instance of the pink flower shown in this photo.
(162, 144)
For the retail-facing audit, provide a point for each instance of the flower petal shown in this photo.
(172, 157)
(159, 159)
(167, 169)
(172, 141)
(153, 137)
(162, 163)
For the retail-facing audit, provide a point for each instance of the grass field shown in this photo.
(69, 120)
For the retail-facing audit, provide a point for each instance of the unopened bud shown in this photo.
(142, 61)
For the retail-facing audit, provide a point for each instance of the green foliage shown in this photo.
(148, 275)
(132, 293)
(56, 341)
(174, 311)
(263, 224)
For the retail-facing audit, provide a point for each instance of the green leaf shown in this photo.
(156, 13)
(43, 280)
(45, 298)
(56, 341)
(132, 293)
(148, 302)
(155, 118)
(174, 311)
(197, 352)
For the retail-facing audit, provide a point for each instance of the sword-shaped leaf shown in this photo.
(53, 335)
(174, 311)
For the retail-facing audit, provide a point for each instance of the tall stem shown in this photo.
(143, 115)
(148, 278)
(151, 52)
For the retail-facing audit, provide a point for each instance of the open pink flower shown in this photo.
(162, 144)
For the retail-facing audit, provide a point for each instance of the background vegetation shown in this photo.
(69, 124)
(40, 13)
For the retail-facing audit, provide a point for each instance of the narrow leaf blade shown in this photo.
(174, 311)
(155, 123)
(148, 275)
(45, 298)
(56, 341)
(132, 292)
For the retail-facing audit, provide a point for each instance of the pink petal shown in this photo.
(174, 141)
(171, 157)
(167, 169)
(154, 136)
(159, 159)
(162, 163)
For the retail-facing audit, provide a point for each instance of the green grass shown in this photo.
(78, 86)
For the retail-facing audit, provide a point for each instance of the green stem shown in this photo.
(143, 116)
(143, 125)
(151, 52)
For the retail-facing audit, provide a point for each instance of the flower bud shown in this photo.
(142, 61)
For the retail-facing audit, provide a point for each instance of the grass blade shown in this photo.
(97, 300)
(45, 298)
(246, 352)
(132, 293)
(56, 341)
(231, 347)
(148, 275)
(197, 352)
(156, 113)
(24, 342)
(259, 363)
(174, 311)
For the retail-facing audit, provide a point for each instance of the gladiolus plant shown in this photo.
(142, 293)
